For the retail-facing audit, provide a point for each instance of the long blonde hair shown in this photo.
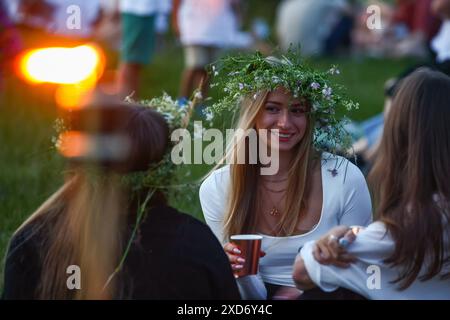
(84, 222)
(241, 213)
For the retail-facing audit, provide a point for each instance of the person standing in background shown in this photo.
(10, 43)
(308, 23)
(138, 40)
(205, 27)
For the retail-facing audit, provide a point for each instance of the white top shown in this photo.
(208, 23)
(66, 15)
(369, 276)
(346, 201)
(441, 42)
(306, 22)
(70, 17)
(145, 7)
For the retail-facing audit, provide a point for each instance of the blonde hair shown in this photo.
(86, 217)
(84, 223)
(242, 207)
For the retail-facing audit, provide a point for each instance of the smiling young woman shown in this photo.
(311, 192)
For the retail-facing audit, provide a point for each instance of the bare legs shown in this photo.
(190, 81)
(128, 79)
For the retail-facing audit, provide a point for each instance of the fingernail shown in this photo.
(241, 260)
(343, 242)
(238, 266)
(236, 250)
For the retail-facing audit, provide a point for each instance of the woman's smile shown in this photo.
(283, 136)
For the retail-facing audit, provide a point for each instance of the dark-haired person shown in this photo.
(405, 253)
(90, 220)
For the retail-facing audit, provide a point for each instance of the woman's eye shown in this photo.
(298, 110)
(272, 109)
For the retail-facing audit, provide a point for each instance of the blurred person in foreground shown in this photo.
(118, 230)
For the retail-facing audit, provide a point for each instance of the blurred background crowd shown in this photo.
(401, 28)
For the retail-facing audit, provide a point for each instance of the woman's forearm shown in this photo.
(301, 276)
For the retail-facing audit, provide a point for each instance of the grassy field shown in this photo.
(30, 170)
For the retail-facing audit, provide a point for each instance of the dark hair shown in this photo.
(144, 130)
(149, 133)
(411, 175)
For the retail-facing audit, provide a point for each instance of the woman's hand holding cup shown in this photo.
(243, 253)
(233, 253)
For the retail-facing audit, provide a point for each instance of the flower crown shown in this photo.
(161, 175)
(246, 75)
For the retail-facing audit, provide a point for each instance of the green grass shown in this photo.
(30, 171)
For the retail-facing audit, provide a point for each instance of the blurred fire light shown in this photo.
(76, 71)
(96, 147)
(62, 65)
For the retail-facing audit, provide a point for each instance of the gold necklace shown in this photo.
(274, 212)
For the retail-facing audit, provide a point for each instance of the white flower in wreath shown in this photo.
(327, 91)
(334, 71)
(315, 85)
(316, 106)
(208, 116)
(198, 95)
(198, 131)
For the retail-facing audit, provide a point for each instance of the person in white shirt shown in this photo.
(205, 27)
(406, 253)
(307, 23)
(311, 191)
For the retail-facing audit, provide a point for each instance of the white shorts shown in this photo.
(196, 56)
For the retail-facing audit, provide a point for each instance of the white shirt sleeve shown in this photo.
(371, 247)
(314, 268)
(356, 199)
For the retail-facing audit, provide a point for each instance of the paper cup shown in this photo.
(250, 246)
